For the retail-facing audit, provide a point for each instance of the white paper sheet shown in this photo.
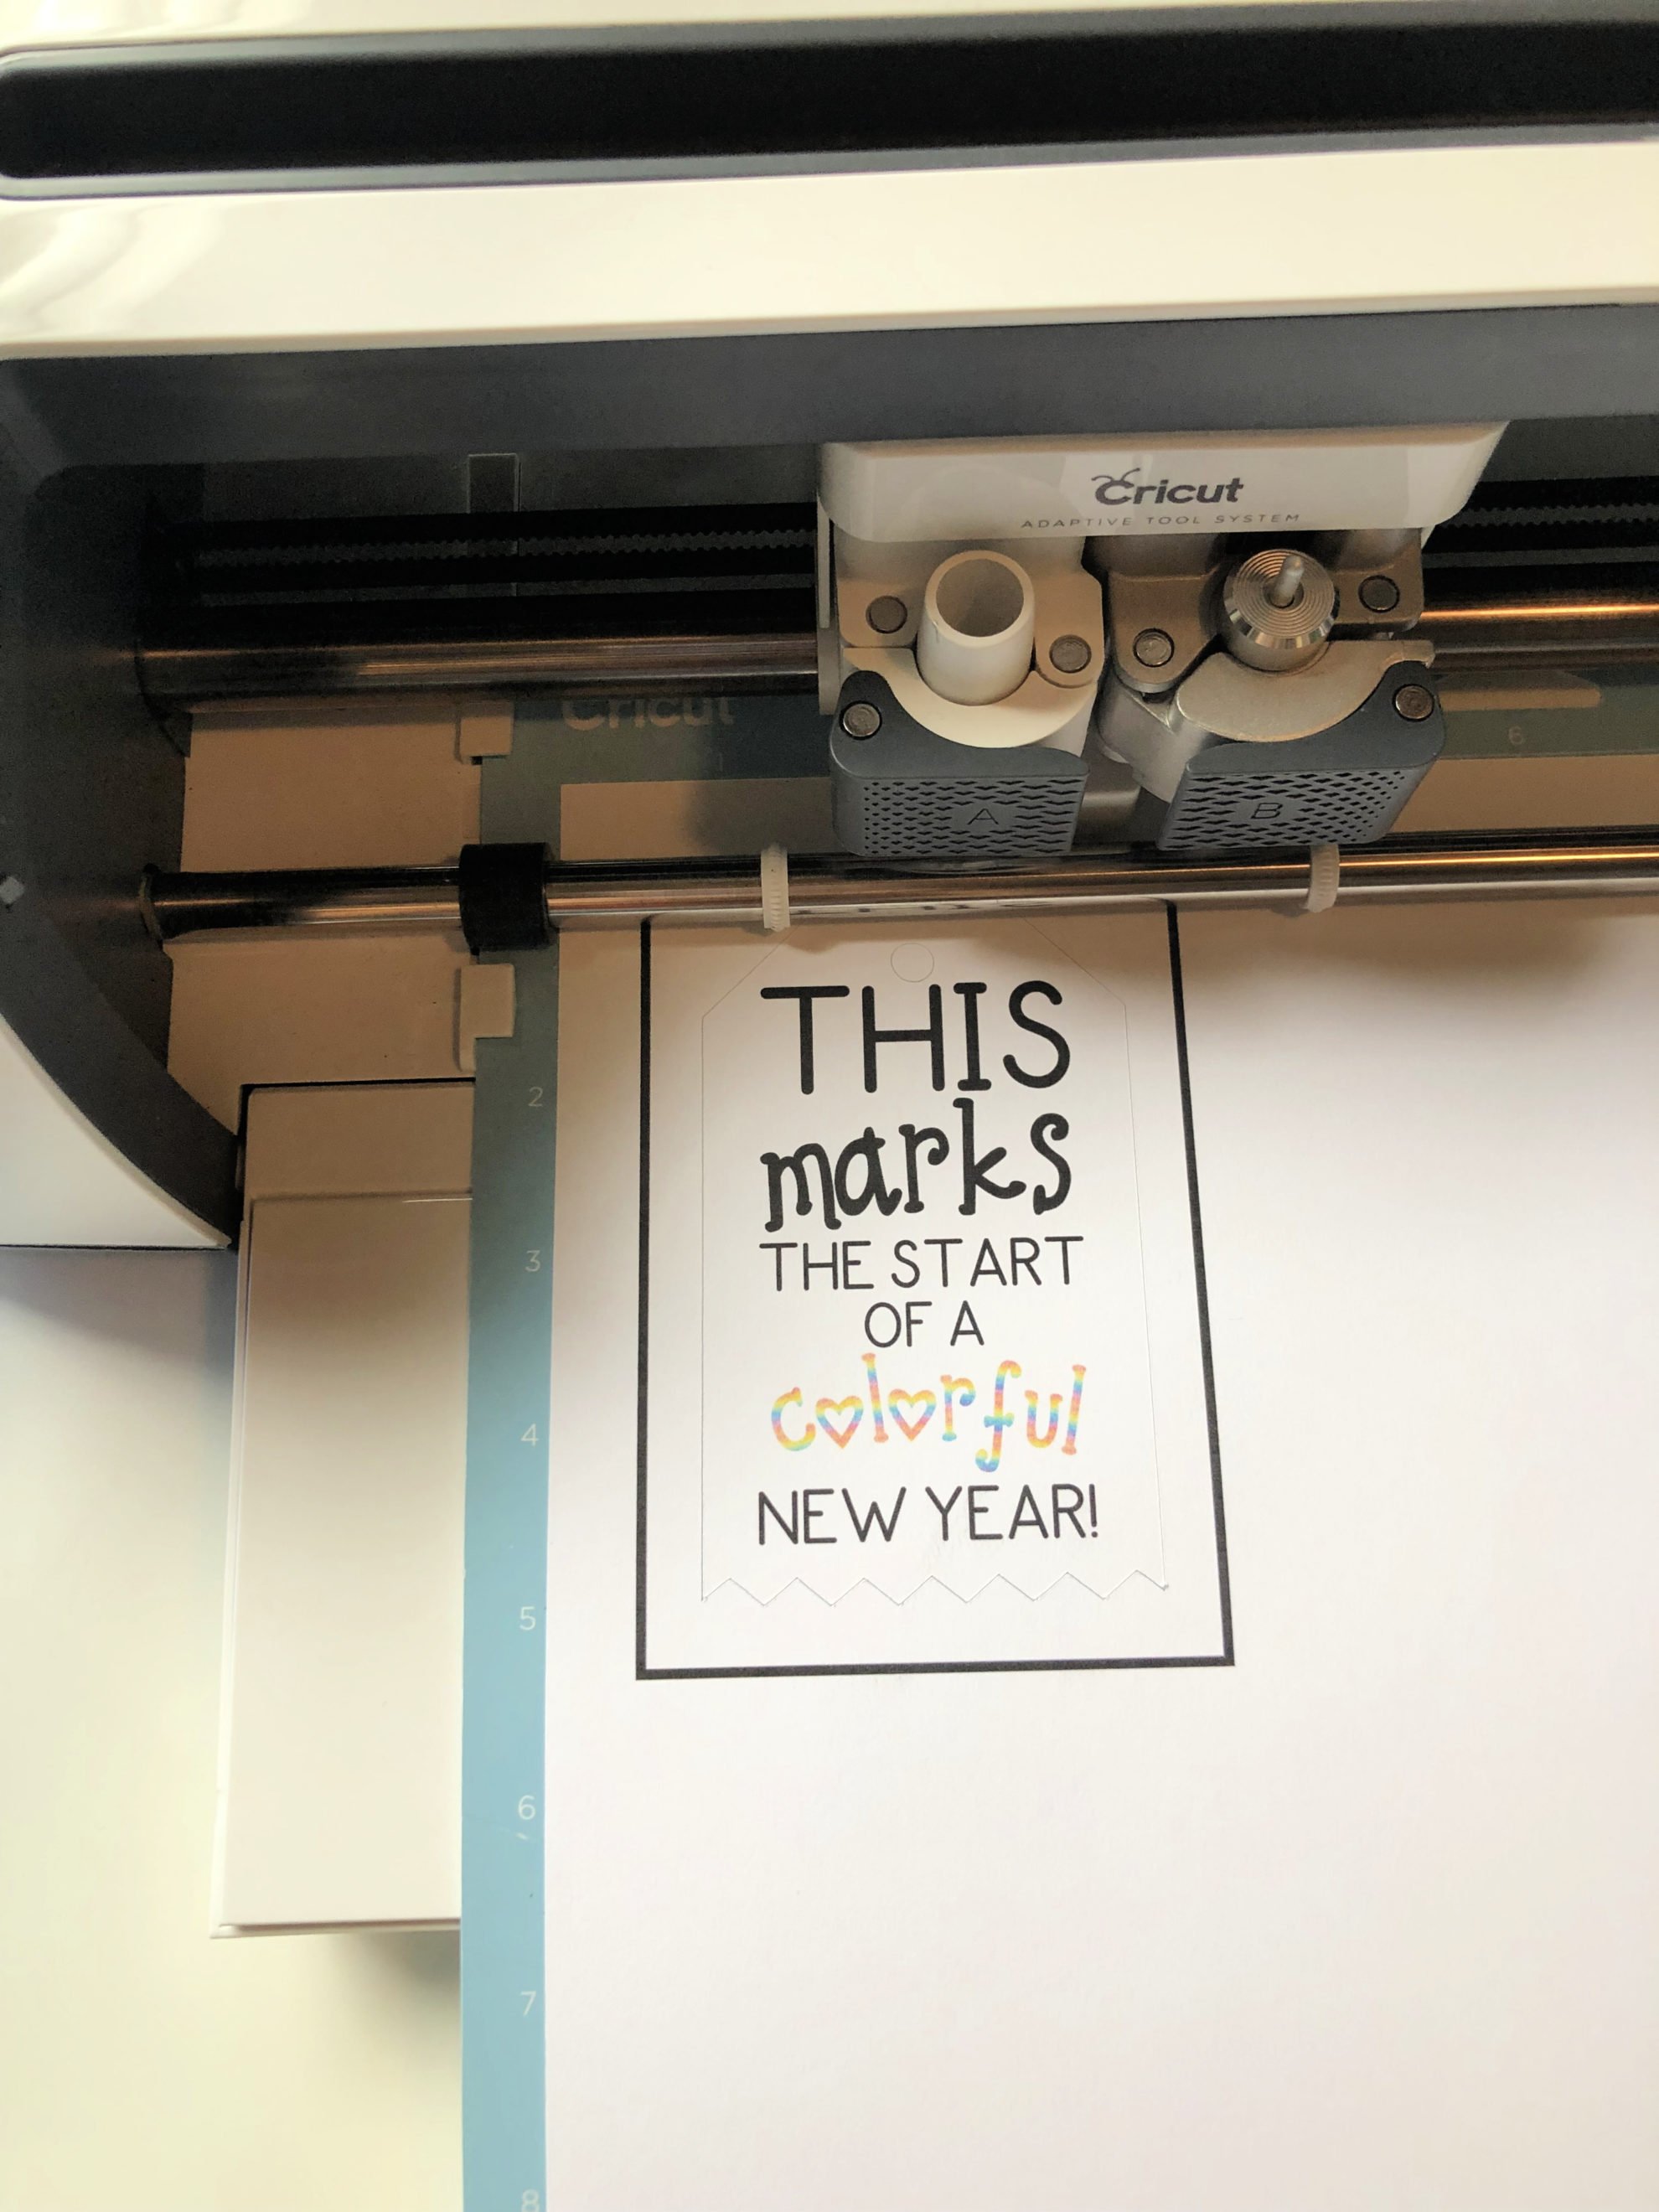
(1368, 1918)
(922, 1370)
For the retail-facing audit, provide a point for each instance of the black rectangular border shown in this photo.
(645, 1673)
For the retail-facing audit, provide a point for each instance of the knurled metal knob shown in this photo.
(1277, 608)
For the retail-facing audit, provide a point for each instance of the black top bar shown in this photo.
(810, 94)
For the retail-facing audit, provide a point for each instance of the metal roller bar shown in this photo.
(301, 898)
(1569, 630)
(188, 674)
(1566, 629)
(1606, 863)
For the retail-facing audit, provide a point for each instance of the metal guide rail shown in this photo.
(495, 884)
(1563, 574)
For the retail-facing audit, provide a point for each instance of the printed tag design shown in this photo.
(925, 1335)
(916, 1286)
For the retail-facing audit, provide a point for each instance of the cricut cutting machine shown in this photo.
(457, 485)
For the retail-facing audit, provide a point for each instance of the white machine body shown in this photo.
(1027, 487)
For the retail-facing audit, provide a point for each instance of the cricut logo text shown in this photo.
(1126, 491)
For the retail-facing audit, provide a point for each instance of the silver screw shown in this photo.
(1413, 703)
(1154, 648)
(860, 719)
(886, 614)
(1071, 655)
(1379, 595)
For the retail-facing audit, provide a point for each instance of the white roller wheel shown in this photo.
(1324, 876)
(774, 890)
